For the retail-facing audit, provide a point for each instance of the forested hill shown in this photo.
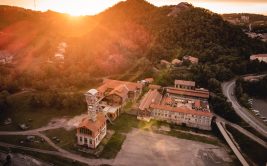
(109, 43)
(206, 35)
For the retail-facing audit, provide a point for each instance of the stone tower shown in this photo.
(92, 103)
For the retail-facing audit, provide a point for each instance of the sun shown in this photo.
(76, 7)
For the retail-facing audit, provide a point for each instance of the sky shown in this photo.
(91, 7)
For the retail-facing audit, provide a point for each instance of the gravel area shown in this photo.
(148, 148)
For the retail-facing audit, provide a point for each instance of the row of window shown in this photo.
(167, 113)
(85, 140)
(197, 120)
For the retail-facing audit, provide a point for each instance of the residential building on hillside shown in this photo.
(182, 105)
(191, 59)
(149, 80)
(260, 57)
(176, 62)
(165, 63)
(5, 57)
(182, 84)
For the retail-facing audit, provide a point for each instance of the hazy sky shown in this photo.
(89, 7)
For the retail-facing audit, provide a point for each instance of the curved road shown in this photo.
(228, 89)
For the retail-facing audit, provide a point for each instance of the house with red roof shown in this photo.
(191, 59)
(92, 129)
(90, 133)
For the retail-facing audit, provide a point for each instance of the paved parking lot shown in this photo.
(261, 105)
(147, 148)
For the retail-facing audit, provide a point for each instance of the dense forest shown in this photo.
(255, 88)
(114, 41)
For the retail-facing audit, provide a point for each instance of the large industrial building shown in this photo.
(183, 104)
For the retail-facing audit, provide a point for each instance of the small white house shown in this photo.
(260, 57)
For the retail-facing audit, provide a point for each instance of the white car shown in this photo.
(256, 111)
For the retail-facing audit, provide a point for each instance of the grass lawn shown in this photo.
(126, 122)
(113, 146)
(254, 151)
(67, 138)
(20, 111)
(51, 159)
(15, 139)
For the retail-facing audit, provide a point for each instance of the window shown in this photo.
(81, 139)
(85, 140)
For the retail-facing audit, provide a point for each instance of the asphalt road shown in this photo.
(228, 89)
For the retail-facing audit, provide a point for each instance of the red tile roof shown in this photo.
(152, 86)
(183, 82)
(149, 80)
(259, 56)
(176, 61)
(94, 126)
(184, 110)
(197, 103)
(121, 90)
(132, 86)
(191, 59)
(152, 96)
(202, 93)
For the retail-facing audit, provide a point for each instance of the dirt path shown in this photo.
(60, 154)
(60, 123)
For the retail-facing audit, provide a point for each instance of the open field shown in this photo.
(37, 142)
(20, 112)
(148, 148)
(125, 123)
(67, 139)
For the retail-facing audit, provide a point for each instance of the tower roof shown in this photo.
(92, 92)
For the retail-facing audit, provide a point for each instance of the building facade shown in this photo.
(90, 133)
(92, 129)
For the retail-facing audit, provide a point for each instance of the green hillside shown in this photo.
(110, 42)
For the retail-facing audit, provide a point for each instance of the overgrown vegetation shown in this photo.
(255, 88)
(252, 149)
(21, 111)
